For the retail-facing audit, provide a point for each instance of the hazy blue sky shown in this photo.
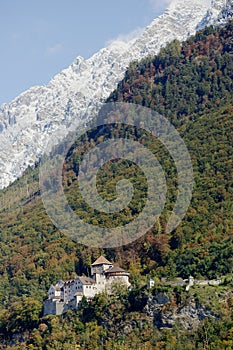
(40, 38)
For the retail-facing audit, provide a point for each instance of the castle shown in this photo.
(68, 295)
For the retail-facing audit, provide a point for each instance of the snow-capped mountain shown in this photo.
(45, 113)
(219, 12)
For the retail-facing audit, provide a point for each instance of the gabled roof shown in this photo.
(69, 282)
(60, 282)
(58, 289)
(116, 269)
(55, 288)
(101, 260)
(78, 294)
(86, 280)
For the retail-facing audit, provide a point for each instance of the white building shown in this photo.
(68, 295)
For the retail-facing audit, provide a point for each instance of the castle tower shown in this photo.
(98, 269)
(100, 265)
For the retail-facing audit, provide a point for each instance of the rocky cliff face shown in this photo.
(165, 314)
(44, 115)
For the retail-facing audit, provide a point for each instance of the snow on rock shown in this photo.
(48, 113)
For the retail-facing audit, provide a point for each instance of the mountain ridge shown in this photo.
(45, 113)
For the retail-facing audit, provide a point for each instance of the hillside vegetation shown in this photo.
(192, 85)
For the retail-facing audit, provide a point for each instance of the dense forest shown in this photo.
(191, 84)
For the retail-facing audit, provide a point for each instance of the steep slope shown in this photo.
(47, 113)
(33, 254)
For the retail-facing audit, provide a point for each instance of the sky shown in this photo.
(40, 38)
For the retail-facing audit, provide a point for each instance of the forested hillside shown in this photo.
(192, 85)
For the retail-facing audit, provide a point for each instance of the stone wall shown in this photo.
(54, 307)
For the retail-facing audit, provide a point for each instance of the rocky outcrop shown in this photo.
(165, 313)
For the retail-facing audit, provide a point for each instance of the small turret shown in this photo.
(150, 283)
(191, 283)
